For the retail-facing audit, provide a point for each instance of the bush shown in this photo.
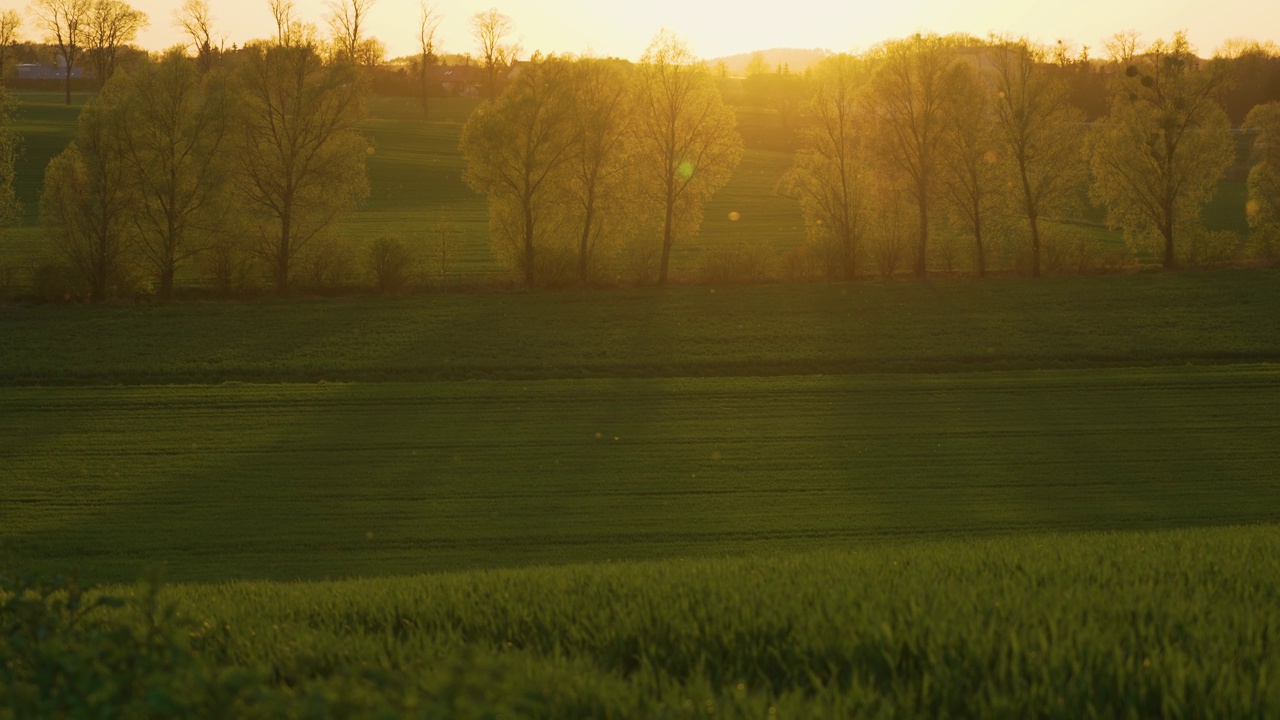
(736, 263)
(228, 268)
(55, 281)
(67, 651)
(390, 263)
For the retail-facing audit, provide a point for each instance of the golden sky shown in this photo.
(623, 27)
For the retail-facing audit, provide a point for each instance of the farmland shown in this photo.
(954, 498)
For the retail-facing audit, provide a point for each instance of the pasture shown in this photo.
(1049, 498)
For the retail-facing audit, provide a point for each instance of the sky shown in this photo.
(622, 28)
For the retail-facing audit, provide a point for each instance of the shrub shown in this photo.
(390, 263)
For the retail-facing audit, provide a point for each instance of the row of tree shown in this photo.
(983, 132)
(169, 162)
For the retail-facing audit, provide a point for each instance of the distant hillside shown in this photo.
(795, 59)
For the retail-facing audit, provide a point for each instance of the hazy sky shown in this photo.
(622, 28)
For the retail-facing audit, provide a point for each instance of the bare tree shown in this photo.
(112, 25)
(10, 24)
(65, 25)
(282, 13)
(687, 141)
(828, 175)
(1158, 156)
(428, 26)
(347, 21)
(908, 99)
(515, 146)
(301, 159)
(1040, 133)
(491, 30)
(195, 19)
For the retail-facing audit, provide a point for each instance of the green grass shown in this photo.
(1135, 624)
(945, 325)
(331, 480)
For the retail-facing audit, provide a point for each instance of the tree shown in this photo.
(347, 21)
(687, 142)
(1158, 156)
(10, 24)
(87, 199)
(112, 24)
(195, 18)
(10, 208)
(514, 146)
(1263, 207)
(828, 174)
(908, 97)
(969, 159)
(65, 24)
(491, 30)
(174, 142)
(428, 26)
(598, 167)
(300, 158)
(1039, 131)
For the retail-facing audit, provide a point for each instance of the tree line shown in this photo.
(245, 158)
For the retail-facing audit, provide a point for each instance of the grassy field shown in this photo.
(941, 326)
(333, 480)
(1010, 498)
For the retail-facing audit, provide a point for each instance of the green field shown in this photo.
(334, 480)
(1011, 498)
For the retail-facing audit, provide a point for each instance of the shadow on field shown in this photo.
(336, 480)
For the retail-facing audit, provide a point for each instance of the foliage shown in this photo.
(516, 146)
(88, 201)
(1263, 206)
(1158, 156)
(10, 143)
(391, 263)
(173, 138)
(687, 143)
(970, 160)
(1110, 624)
(110, 25)
(907, 100)
(301, 159)
(1039, 134)
(829, 176)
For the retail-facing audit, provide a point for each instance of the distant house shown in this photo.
(52, 71)
(463, 80)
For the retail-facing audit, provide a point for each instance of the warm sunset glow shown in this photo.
(712, 29)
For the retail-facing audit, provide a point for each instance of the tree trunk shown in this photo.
(282, 258)
(1035, 245)
(528, 244)
(1167, 232)
(166, 282)
(977, 239)
(667, 231)
(586, 236)
(922, 269)
(68, 81)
